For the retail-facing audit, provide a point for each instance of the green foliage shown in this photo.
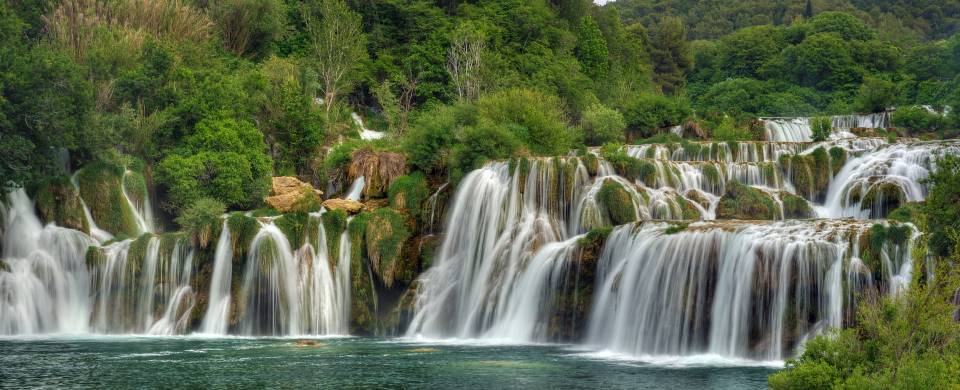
(248, 26)
(795, 207)
(294, 226)
(100, 188)
(532, 117)
(291, 123)
(202, 219)
(670, 52)
(408, 193)
(823, 61)
(223, 159)
(334, 224)
(743, 202)
(844, 25)
(876, 95)
(385, 233)
(728, 130)
(602, 125)
(917, 120)
(821, 127)
(617, 203)
(942, 207)
(429, 139)
(646, 113)
(592, 49)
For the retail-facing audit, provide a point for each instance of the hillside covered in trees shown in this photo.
(649, 115)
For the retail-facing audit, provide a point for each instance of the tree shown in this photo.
(465, 61)
(822, 61)
(821, 127)
(248, 26)
(670, 53)
(602, 125)
(223, 159)
(339, 46)
(942, 206)
(876, 95)
(808, 9)
(592, 49)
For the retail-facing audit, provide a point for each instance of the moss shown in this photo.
(94, 257)
(630, 167)
(908, 212)
(363, 295)
(881, 198)
(676, 228)
(592, 164)
(711, 173)
(595, 236)
(407, 193)
(242, 231)
(4, 267)
(879, 235)
(136, 187)
(385, 234)
(811, 174)
(58, 201)
(691, 149)
(838, 157)
(334, 224)
(294, 226)
(795, 207)
(743, 202)
(100, 187)
(264, 212)
(617, 203)
(687, 209)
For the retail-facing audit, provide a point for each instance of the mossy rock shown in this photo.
(407, 193)
(242, 231)
(4, 267)
(592, 164)
(882, 198)
(58, 201)
(334, 224)
(687, 209)
(294, 226)
(811, 174)
(100, 188)
(384, 236)
(617, 203)
(838, 158)
(629, 167)
(363, 296)
(795, 207)
(874, 239)
(743, 202)
(909, 212)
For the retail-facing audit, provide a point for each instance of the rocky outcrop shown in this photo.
(350, 206)
(290, 194)
(379, 169)
(59, 202)
(744, 202)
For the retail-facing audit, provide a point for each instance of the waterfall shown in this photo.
(869, 186)
(365, 133)
(730, 289)
(99, 234)
(798, 129)
(356, 189)
(45, 286)
(142, 211)
(217, 319)
(505, 246)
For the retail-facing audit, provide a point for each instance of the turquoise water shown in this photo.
(125, 362)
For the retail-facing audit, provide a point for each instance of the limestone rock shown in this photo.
(350, 206)
(289, 192)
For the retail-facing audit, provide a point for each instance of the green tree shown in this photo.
(249, 26)
(223, 159)
(670, 53)
(532, 117)
(823, 61)
(339, 45)
(821, 127)
(746, 51)
(942, 206)
(592, 49)
(876, 95)
(602, 125)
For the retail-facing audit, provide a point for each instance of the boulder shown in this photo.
(350, 206)
(287, 193)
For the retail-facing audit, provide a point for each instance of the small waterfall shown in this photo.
(293, 292)
(505, 244)
(99, 234)
(356, 189)
(365, 133)
(45, 287)
(731, 289)
(142, 211)
(798, 129)
(871, 185)
(217, 318)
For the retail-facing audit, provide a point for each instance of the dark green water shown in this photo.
(138, 362)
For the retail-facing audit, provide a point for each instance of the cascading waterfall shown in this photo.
(505, 246)
(45, 289)
(217, 319)
(798, 129)
(142, 210)
(730, 289)
(867, 186)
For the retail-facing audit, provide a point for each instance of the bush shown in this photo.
(821, 127)
(917, 120)
(728, 130)
(202, 219)
(484, 142)
(876, 95)
(408, 193)
(249, 26)
(602, 125)
(942, 206)
(645, 113)
(534, 118)
(429, 138)
(223, 159)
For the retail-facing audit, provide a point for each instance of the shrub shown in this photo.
(202, 219)
(248, 26)
(602, 125)
(942, 206)
(429, 139)
(645, 113)
(917, 120)
(534, 118)
(224, 159)
(484, 142)
(821, 127)
(409, 192)
(728, 130)
(876, 95)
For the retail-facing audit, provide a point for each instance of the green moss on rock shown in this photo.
(99, 184)
(743, 202)
(617, 203)
(294, 226)
(334, 224)
(384, 236)
(407, 193)
(881, 198)
(795, 207)
(58, 201)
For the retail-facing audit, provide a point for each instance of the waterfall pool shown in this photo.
(348, 362)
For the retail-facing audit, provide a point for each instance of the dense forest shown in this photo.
(210, 99)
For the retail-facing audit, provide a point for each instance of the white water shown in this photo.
(726, 289)
(798, 129)
(143, 212)
(356, 189)
(217, 318)
(99, 234)
(365, 133)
